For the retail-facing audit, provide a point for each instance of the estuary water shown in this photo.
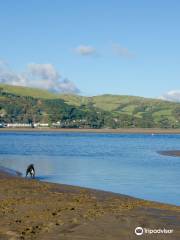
(122, 163)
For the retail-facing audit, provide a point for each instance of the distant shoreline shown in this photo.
(102, 130)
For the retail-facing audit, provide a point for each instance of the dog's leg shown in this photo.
(32, 173)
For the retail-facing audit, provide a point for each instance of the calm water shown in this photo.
(122, 163)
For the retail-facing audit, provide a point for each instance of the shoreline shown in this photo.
(9, 171)
(90, 130)
(31, 209)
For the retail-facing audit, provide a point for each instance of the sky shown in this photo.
(92, 47)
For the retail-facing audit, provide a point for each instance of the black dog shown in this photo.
(30, 170)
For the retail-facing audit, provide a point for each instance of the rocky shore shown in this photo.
(30, 209)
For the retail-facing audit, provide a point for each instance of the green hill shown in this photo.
(78, 111)
(27, 91)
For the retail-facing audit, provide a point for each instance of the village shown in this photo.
(28, 125)
(79, 123)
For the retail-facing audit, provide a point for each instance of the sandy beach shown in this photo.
(100, 130)
(30, 209)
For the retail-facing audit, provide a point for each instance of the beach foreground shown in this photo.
(30, 209)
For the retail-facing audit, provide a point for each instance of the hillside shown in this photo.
(27, 91)
(112, 111)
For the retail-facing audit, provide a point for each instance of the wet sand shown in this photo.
(101, 130)
(173, 153)
(30, 209)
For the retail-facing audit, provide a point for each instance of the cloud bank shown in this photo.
(37, 75)
(85, 50)
(173, 96)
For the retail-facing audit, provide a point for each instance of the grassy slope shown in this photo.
(26, 91)
(114, 103)
(39, 93)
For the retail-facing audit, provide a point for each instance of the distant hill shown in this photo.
(113, 111)
(27, 91)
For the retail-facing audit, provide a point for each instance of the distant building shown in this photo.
(18, 125)
(57, 124)
(41, 125)
(24, 125)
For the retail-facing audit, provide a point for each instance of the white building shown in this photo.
(18, 125)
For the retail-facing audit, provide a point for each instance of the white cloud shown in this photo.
(67, 86)
(173, 96)
(44, 71)
(37, 75)
(7, 75)
(122, 51)
(85, 50)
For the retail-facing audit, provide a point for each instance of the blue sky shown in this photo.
(117, 47)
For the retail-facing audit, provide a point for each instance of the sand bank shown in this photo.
(173, 153)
